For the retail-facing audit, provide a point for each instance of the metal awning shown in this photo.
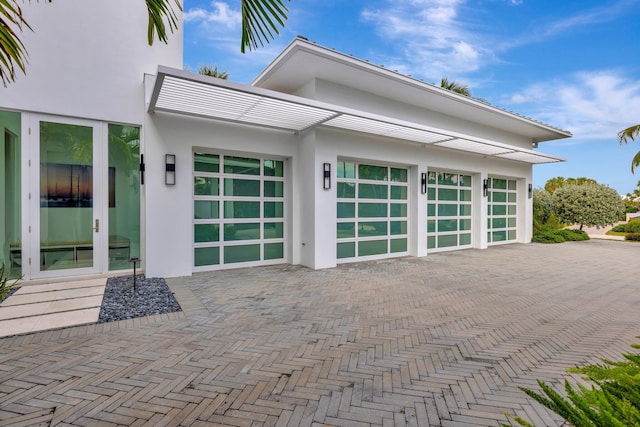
(181, 92)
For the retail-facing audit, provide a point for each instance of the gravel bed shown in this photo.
(11, 292)
(151, 296)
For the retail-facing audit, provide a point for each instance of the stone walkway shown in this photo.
(53, 305)
(445, 341)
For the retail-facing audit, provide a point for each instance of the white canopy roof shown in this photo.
(181, 92)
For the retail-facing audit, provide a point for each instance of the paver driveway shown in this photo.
(443, 340)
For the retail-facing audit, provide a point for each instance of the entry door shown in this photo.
(66, 197)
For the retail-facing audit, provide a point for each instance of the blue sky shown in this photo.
(573, 64)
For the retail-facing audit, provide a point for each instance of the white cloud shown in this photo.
(592, 105)
(433, 39)
(220, 13)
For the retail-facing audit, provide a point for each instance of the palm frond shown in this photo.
(12, 51)
(629, 134)
(159, 10)
(260, 20)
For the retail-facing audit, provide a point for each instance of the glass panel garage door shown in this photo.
(448, 211)
(371, 211)
(238, 211)
(502, 210)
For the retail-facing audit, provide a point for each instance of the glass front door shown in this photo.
(66, 230)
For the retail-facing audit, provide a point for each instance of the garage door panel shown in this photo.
(448, 210)
(502, 210)
(238, 211)
(371, 211)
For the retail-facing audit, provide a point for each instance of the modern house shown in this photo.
(111, 151)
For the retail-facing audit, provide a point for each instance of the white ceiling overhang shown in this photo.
(181, 92)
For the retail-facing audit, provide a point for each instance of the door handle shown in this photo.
(97, 227)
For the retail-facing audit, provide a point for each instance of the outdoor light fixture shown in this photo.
(326, 175)
(530, 190)
(485, 187)
(170, 169)
(423, 182)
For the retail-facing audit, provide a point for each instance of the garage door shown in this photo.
(448, 211)
(502, 210)
(238, 211)
(371, 211)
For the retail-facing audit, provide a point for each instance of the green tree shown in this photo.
(260, 21)
(593, 205)
(553, 184)
(627, 135)
(208, 70)
(542, 209)
(455, 87)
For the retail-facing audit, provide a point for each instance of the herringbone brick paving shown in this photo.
(444, 341)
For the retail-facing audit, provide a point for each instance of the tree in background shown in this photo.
(455, 87)
(554, 183)
(542, 209)
(208, 70)
(260, 22)
(593, 205)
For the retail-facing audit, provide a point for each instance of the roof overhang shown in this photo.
(181, 92)
(303, 61)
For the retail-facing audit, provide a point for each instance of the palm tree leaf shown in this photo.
(260, 20)
(12, 51)
(635, 162)
(159, 10)
(630, 133)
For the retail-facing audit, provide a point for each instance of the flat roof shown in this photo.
(303, 61)
(182, 92)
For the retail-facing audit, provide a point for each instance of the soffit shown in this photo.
(181, 92)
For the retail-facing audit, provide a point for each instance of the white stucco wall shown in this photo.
(168, 216)
(87, 58)
(334, 93)
(311, 212)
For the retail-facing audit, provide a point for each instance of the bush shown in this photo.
(5, 286)
(551, 235)
(548, 236)
(573, 235)
(632, 226)
(621, 228)
(614, 401)
(633, 236)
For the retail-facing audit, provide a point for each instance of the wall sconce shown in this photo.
(485, 187)
(530, 190)
(170, 169)
(423, 182)
(326, 176)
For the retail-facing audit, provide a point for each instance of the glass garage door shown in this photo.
(448, 211)
(238, 211)
(502, 210)
(371, 211)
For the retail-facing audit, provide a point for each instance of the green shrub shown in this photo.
(548, 236)
(5, 286)
(615, 401)
(571, 235)
(632, 226)
(633, 236)
(630, 209)
(620, 228)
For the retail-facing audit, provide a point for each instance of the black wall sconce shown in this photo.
(423, 182)
(485, 187)
(530, 190)
(170, 169)
(326, 176)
